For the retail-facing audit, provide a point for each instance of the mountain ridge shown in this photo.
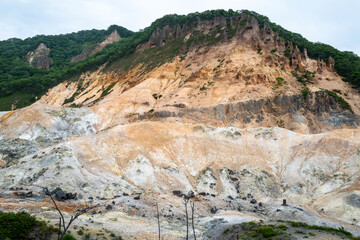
(222, 110)
(349, 71)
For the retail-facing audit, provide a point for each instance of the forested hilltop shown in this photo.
(20, 82)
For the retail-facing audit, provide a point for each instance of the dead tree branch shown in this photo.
(192, 205)
(186, 201)
(158, 218)
(62, 223)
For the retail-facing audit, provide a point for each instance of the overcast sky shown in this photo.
(335, 22)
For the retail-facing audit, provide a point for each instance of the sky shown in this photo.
(332, 22)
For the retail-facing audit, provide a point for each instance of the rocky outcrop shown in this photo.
(331, 63)
(321, 66)
(319, 112)
(83, 55)
(40, 57)
(87, 51)
(112, 38)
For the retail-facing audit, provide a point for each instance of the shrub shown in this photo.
(16, 225)
(279, 82)
(305, 91)
(69, 237)
(80, 232)
(267, 232)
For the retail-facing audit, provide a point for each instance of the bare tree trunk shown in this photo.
(192, 204)
(158, 219)
(186, 200)
(62, 232)
(59, 228)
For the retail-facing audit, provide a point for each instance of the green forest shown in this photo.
(20, 83)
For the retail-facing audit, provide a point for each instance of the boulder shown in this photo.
(60, 195)
(213, 210)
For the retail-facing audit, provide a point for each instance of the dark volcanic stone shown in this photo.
(213, 210)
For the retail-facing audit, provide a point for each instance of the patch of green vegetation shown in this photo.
(282, 227)
(17, 100)
(16, 225)
(80, 232)
(259, 51)
(279, 82)
(229, 30)
(267, 232)
(304, 77)
(19, 225)
(107, 90)
(344, 104)
(287, 53)
(203, 88)
(69, 237)
(226, 231)
(182, 58)
(151, 110)
(305, 91)
(88, 98)
(281, 123)
(340, 231)
(273, 51)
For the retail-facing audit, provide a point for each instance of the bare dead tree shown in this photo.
(63, 227)
(158, 218)
(192, 205)
(186, 201)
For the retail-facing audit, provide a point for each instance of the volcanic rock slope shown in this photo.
(234, 115)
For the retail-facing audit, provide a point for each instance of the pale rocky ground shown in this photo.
(242, 137)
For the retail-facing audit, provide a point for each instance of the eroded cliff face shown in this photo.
(87, 51)
(245, 82)
(249, 117)
(39, 58)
